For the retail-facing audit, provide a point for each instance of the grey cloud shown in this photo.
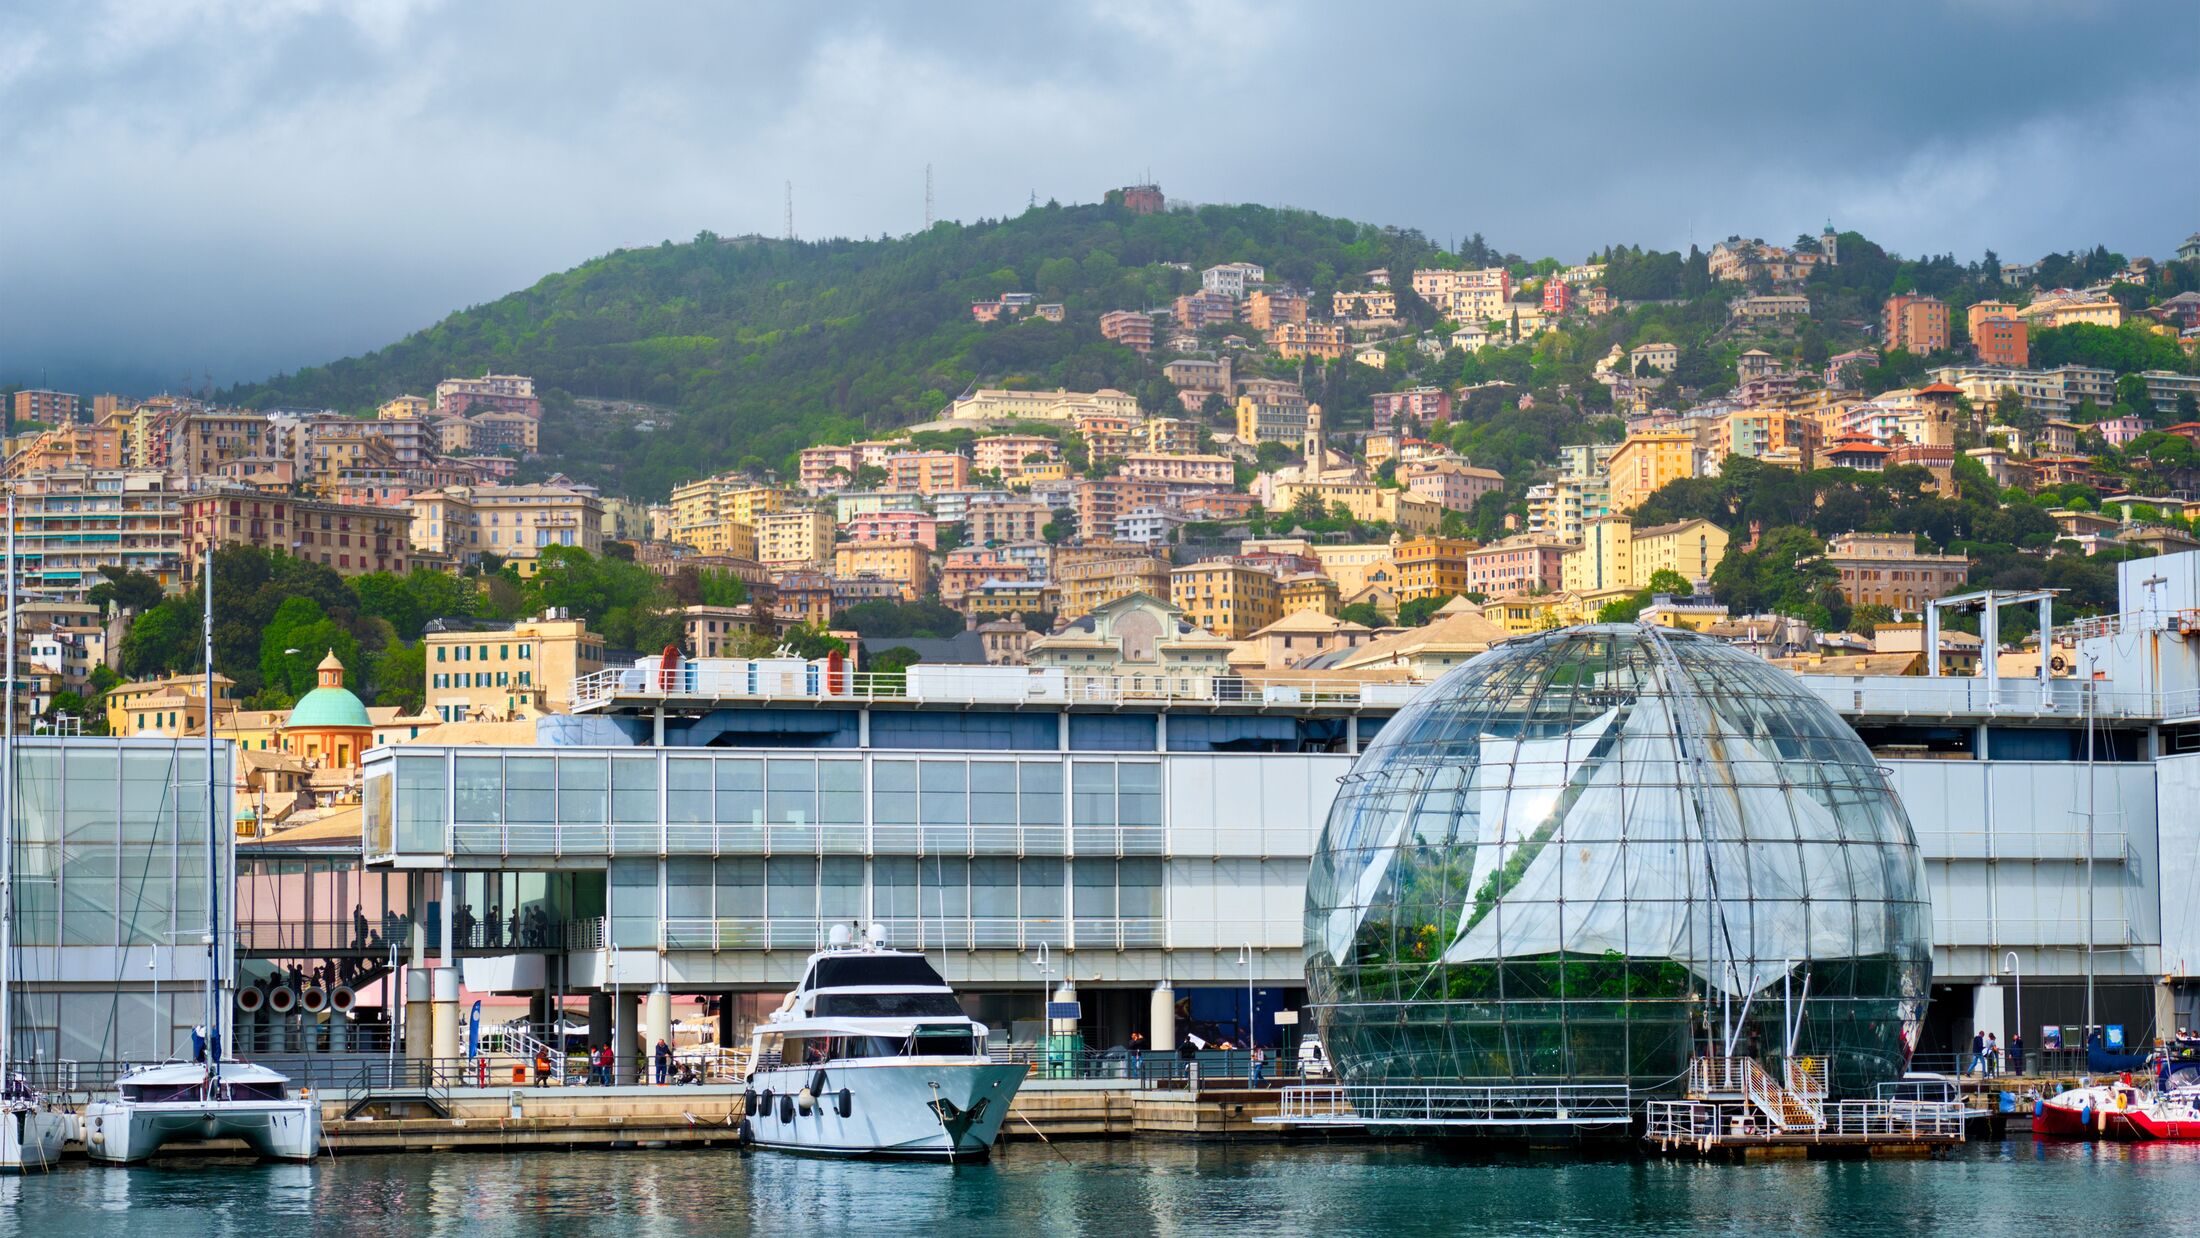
(243, 186)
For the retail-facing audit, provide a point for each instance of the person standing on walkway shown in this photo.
(1993, 1055)
(664, 1063)
(1138, 1054)
(2016, 1052)
(1260, 1067)
(1187, 1053)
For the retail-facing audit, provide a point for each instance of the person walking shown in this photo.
(1138, 1054)
(664, 1063)
(1993, 1055)
(542, 1067)
(1260, 1067)
(1978, 1054)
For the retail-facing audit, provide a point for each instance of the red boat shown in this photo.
(2172, 1116)
(2108, 1112)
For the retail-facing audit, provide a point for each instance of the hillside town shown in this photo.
(1239, 533)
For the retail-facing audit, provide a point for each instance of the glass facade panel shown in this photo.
(530, 790)
(740, 791)
(1587, 856)
(420, 806)
(479, 790)
(583, 791)
(634, 790)
(791, 792)
(634, 906)
(687, 791)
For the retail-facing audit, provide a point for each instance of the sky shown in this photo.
(236, 187)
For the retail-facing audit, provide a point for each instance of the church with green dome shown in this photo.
(329, 726)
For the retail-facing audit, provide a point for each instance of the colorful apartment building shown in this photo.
(1644, 462)
(352, 540)
(1914, 323)
(1228, 599)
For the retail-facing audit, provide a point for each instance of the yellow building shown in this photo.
(498, 671)
(1266, 418)
(1310, 592)
(172, 706)
(1534, 612)
(907, 564)
(1616, 558)
(254, 730)
(1647, 461)
(1228, 599)
(1172, 435)
(1351, 565)
(511, 522)
(1432, 566)
(795, 537)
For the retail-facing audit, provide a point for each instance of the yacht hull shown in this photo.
(124, 1132)
(31, 1139)
(894, 1108)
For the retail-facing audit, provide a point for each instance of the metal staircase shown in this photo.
(1795, 1105)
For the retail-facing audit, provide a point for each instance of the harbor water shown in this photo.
(1121, 1188)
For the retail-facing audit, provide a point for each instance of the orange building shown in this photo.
(329, 725)
(2002, 341)
(1917, 324)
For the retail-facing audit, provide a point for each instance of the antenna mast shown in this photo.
(928, 197)
(790, 210)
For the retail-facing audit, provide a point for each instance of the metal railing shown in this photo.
(1405, 1105)
(270, 936)
(737, 680)
(1668, 1122)
(959, 932)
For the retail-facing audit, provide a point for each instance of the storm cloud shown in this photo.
(239, 186)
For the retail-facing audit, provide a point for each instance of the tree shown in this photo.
(1666, 580)
(885, 619)
(129, 591)
(161, 641)
(294, 643)
(1420, 610)
(889, 668)
(401, 677)
(1364, 614)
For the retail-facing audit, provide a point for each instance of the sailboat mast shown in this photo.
(214, 1040)
(7, 824)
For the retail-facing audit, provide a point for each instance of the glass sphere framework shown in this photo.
(1588, 856)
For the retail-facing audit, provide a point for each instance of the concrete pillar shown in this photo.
(599, 1019)
(1162, 1036)
(625, 1036)
(448, 1039)
(416, 1014)
(656, 1022)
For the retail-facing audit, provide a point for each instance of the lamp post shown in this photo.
(2012, 968)
(1042, 961)
(1252, 1024)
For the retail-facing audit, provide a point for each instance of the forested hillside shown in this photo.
(761, 347)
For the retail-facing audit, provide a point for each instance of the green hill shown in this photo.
(757, 348)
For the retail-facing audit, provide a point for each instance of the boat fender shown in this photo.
(748, 1132)
(786, 1108)
(817, 1083)
(805, 1100)
(764, 1102)
(847, 1102)
(748, 1102)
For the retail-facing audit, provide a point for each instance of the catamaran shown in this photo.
(212, 1096)
(871, 1055)
(31, 1132)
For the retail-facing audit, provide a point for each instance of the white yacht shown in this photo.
(871, 1055)
(212, 1096)
(31, 1132)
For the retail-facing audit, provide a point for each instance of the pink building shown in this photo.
(1423, 404)
(2119, 431)
(1451, 485)
(1558, 296)
(922, 528)
(1005, 453)
(818, 464)
(1128, 328)
(1516, 565)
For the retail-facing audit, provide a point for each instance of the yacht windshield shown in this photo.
(887, 1005)
(875, 971)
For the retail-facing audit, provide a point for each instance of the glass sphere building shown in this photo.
(1591, 855)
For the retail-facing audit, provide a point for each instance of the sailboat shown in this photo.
(31, 1133)
(213, 1096)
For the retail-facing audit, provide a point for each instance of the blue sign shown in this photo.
(2115, 1038)
(1065, 1010)
(473, 1031)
